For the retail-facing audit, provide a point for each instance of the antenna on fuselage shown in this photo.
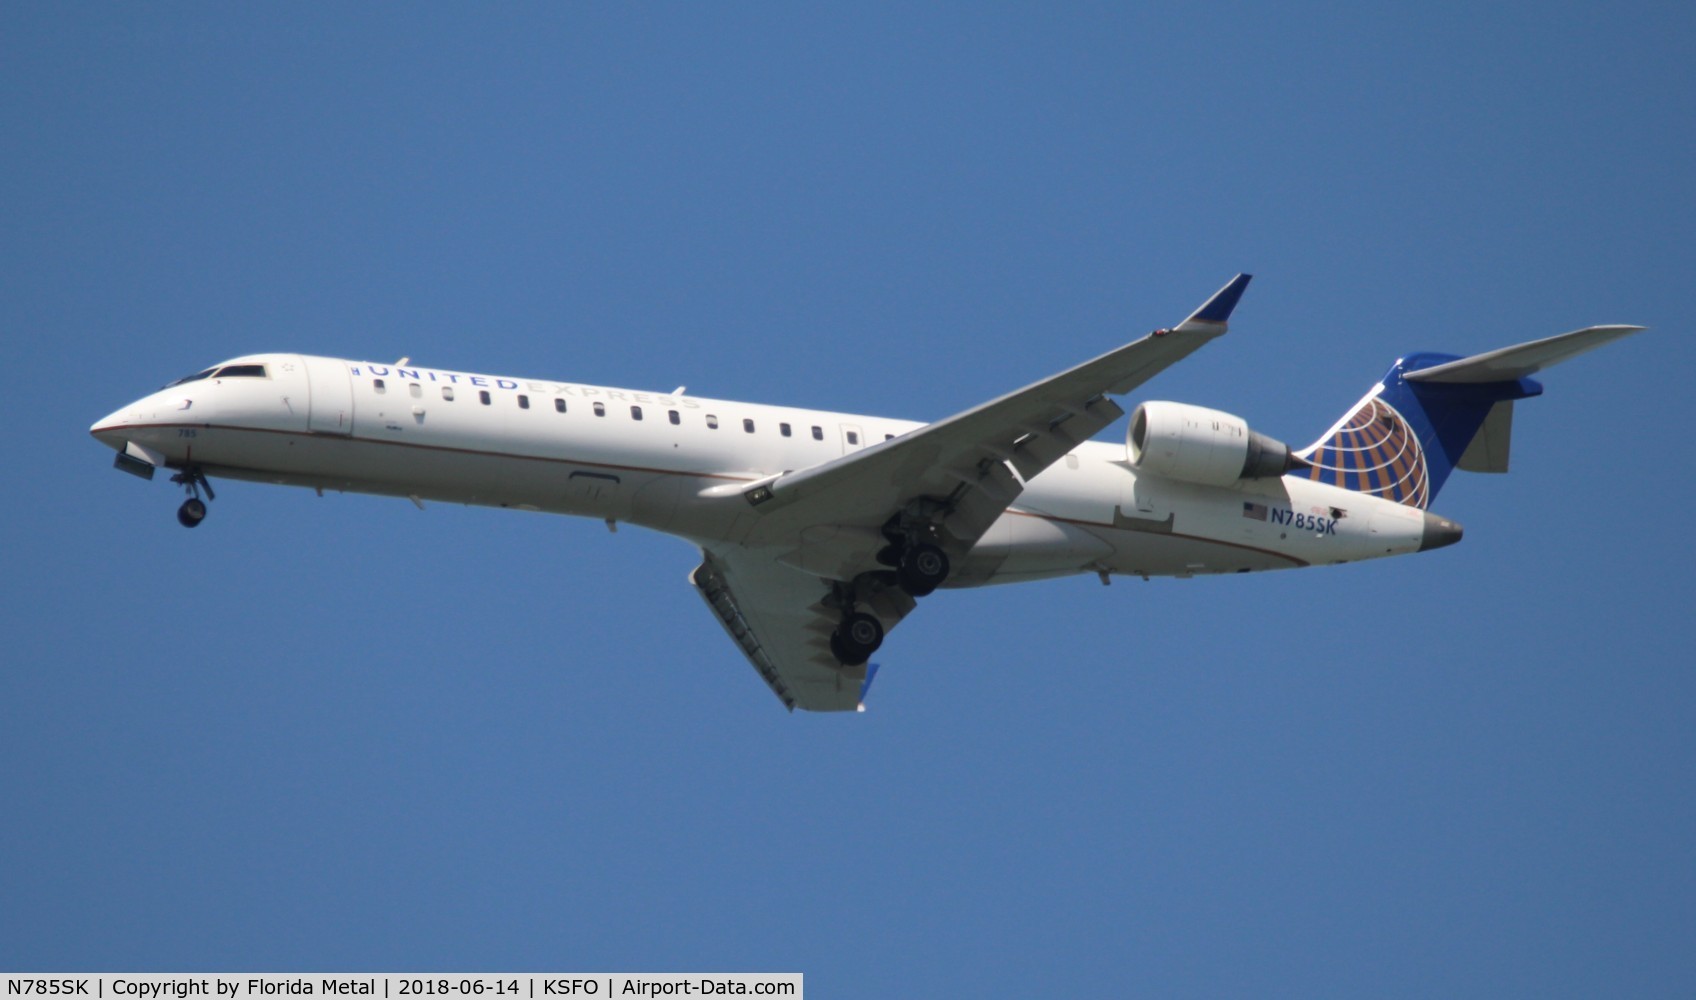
(680, 390)
(402, 361)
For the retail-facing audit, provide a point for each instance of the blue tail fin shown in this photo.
(1402, 441)
(1422, 421)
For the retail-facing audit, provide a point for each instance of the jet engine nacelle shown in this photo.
(1198, 445)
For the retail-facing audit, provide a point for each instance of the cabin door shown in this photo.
(332, 396)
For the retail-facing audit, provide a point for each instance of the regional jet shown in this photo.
(819, 531)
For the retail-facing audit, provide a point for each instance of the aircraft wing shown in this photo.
(969, 460)
(780, 618)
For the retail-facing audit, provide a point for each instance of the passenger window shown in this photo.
(559, 404)
(447, 393)
(676, 418)
(747, 425)
(600, 409)
(377, 384)
(783, 429)
(818, 433)
(635, 413)
(483, 394)
(523, 402)
(416, 390)
(712, 422)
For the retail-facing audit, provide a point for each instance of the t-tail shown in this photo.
(1434, 413)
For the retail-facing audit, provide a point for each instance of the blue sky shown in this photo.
(341, 733)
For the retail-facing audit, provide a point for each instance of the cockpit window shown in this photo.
(228, 371)
(197, 376)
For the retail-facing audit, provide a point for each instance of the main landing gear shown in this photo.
(860, 631)
(922, 568)
(193, 510)
(919, 562)
(917, 566)
(856, 639)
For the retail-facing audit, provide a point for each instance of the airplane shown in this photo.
(820, 531)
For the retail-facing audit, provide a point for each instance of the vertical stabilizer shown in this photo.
(1402, 440)
(1423, 420)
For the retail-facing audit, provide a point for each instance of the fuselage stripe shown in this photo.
(645, 469)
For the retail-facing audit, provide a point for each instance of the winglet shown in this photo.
(866, 685)
(1217, 310)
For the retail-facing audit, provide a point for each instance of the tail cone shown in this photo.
(1439, 531)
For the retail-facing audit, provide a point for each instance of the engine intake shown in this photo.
(1198, 445)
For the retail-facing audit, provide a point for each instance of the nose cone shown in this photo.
(1438, 532)
(109, 430)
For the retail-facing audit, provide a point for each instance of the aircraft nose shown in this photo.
(109, 430)
(1438, 532)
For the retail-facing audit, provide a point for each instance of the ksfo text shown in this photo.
(688, 987)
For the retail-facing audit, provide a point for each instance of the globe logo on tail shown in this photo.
(1374, 451)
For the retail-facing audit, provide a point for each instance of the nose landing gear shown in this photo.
(193, 510)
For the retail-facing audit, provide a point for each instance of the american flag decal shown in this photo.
(1254, 510)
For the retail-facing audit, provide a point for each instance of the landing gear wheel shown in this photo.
(191, 513)
(856, 639)
(923, 569)
(193, 510)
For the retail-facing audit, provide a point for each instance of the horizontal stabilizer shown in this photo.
(1520, 360)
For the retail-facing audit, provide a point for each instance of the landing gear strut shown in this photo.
(193, 510)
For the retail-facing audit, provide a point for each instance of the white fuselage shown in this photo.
(646, 458)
